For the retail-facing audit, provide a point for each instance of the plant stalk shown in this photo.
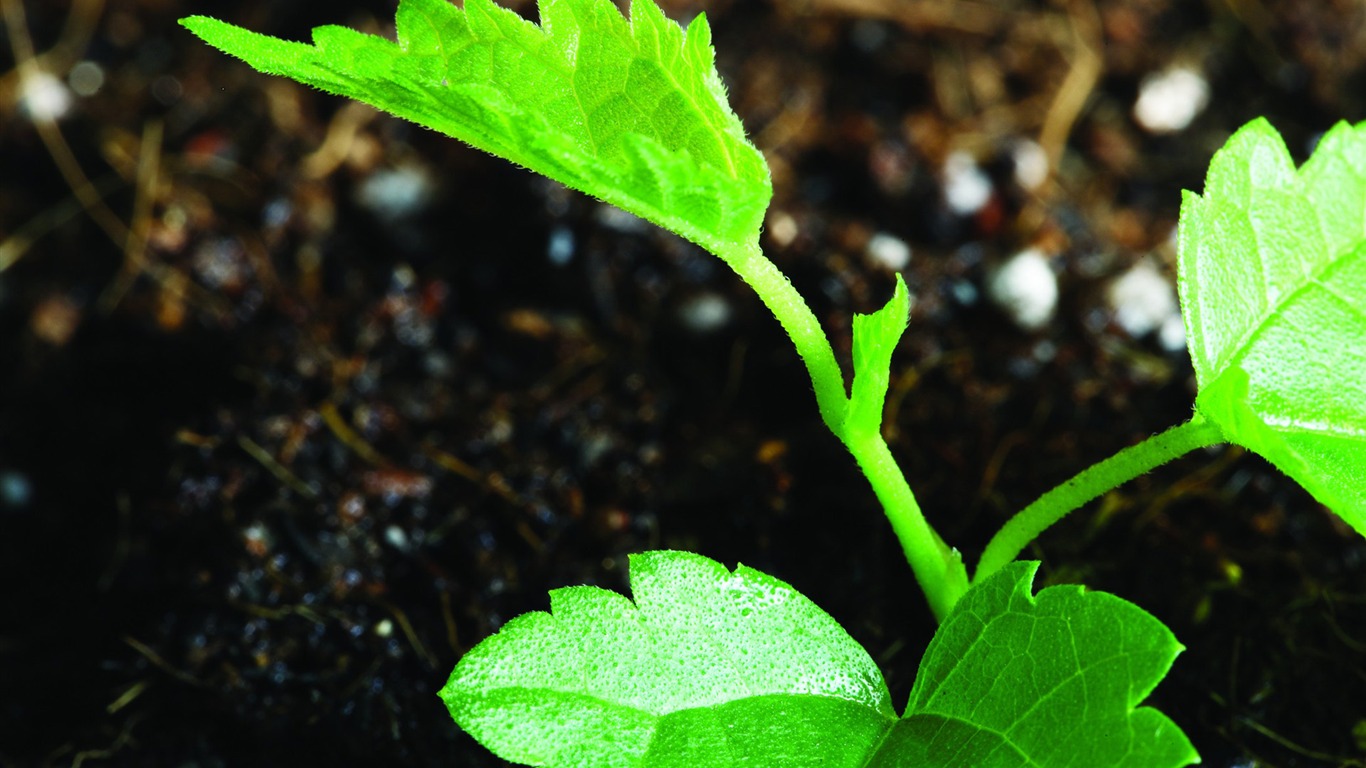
(796, 317)
(1091, 482)
(938, 568)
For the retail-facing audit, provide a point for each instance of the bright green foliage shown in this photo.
(1273, 285)
(875, 337)
(600, 681)
(1011, 681)
(630, 112)
(634, 113)
(710, 668)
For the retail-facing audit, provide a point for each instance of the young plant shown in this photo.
(709, 667)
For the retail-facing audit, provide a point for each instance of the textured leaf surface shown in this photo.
(1013, 680)
(709, 668)
(631, 112)
(705, 665)
(1273, 286)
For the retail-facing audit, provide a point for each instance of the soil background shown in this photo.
(299, 402)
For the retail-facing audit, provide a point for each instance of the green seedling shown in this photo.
(709, 667)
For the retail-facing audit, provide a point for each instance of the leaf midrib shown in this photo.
(1311, 280)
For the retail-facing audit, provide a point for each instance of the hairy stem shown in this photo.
(792, 312)
(1091, 482)
(937, 568)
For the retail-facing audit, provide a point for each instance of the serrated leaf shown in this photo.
(1273, 286)
(602, 681)
(1014, 681)
(875, 338)
(713, 669)
(631, 112)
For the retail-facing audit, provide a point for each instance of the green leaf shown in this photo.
(713, 669)
(1273, 286)
(1011, 681)
(875, 338)
(631, 112)
(600, 681)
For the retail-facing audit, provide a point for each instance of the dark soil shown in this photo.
(352, 395)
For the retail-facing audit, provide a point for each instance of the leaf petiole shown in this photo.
(800, 323)
(1091, 482)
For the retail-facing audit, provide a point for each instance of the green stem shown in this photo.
(938, 568)
(1091, 482)
(796, 317)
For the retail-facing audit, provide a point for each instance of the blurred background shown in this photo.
(298, 402)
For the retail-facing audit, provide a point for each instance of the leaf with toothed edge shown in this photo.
(1273, 286)
(712, 668)
(1053, 680)
(709, 668)
(632, 112)
(705, 663)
